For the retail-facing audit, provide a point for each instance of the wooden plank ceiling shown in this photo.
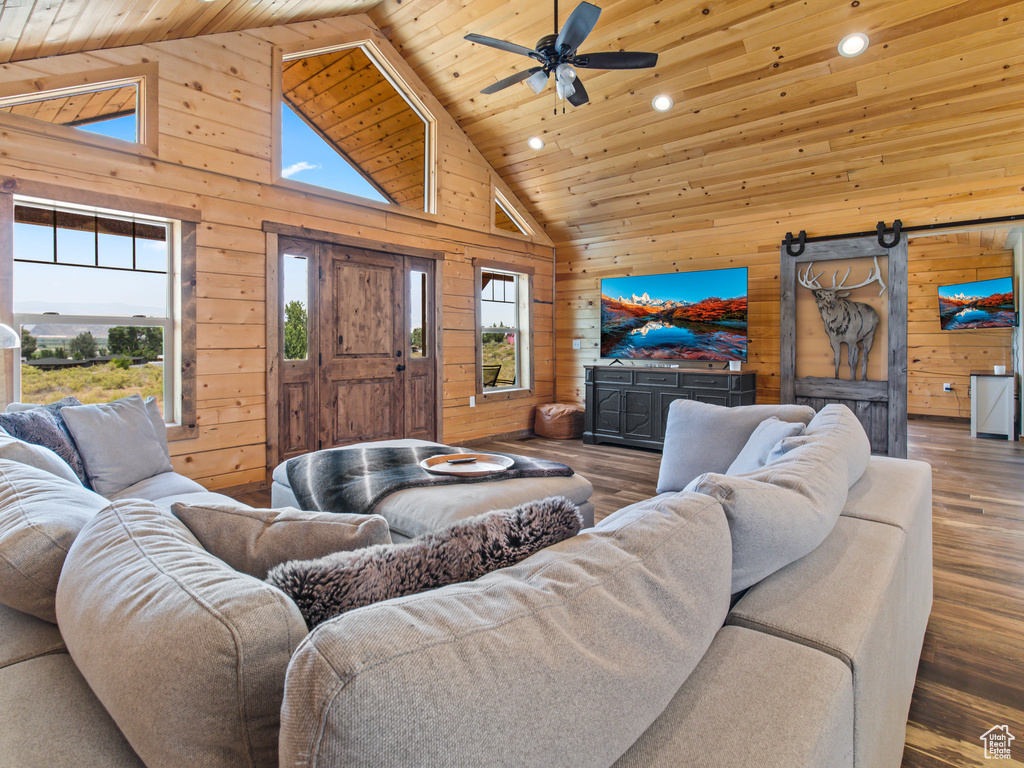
(346, 99)
(769, 118)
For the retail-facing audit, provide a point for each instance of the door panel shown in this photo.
(361, 384)
(297, 437)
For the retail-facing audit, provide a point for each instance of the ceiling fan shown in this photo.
(557, 53)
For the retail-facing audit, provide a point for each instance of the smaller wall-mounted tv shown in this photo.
(983, 304)
(675, 316)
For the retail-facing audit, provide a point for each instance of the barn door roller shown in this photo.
(880, 230)
(789, 243)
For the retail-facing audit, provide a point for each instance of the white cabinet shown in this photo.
(992, 404)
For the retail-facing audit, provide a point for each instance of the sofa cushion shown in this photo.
(255, 540)
(49, 718)
(563, 659)
(837, 425)
(700, 437)
(765, 436)
(186, 654)
(40, 516)
(848, 598)
(158, 487)
(38, 456)
(44, 425)
(464, 551)
(769, 703)
(118, 443)
(780, 512)
(24, 637)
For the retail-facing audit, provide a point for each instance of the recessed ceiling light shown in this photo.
(853, 45)
(535, 142)
(662, 103)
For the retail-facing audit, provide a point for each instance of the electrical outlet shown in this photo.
(947, 387)
(577, 343)
(472, 401)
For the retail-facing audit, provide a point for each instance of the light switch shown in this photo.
(577, 343)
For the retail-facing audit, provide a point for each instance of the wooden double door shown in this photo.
(370, 366)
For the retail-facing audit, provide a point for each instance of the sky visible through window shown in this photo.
(77, 291)
(118, 128)
(306, 157)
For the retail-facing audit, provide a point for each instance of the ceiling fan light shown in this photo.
(662, 103)
(535, 142)
(537, 81)
(565, 74)
(853, 45)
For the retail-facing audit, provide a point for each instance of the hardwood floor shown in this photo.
(971, 675)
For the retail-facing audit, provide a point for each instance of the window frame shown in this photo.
(524, 330)
(380, 59)
(143, 76)
(180, 324)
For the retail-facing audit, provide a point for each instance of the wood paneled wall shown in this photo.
(215, 155)
(752, 241)
(935, 356)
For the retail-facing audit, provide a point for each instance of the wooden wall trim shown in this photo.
(8, 359)
(503, 266)
(63, 194)
(335, 238)
(187, 351)
(274, 300)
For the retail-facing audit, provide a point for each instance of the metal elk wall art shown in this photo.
(846, 322)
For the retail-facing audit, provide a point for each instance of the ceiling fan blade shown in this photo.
(537, 81)
(579, 24)
(616, 60)
(580, 97)
(501, 45)
(518, 77)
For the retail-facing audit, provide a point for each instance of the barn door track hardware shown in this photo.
(880, 231)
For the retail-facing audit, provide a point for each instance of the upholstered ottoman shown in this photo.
(416, 511)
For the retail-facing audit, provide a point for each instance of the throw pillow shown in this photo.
(159, 425)
(40, 516)
(765, 437)
(118, 444)
(464, 551)
(835, 425)
(38, 456)
(186, 654)
(700, 437)
(44, 425)
(255, 540)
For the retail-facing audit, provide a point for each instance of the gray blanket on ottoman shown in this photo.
(355, 480)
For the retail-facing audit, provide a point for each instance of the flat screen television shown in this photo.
(983, 304)
(675, 316)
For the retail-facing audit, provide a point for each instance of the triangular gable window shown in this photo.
(506, 218)
(348, 125)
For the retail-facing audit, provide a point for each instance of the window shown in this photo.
(295, 276)
(98, 296)
(506, 218)
(503, 336)
(349, 123)
(107, 109)
(418, 330)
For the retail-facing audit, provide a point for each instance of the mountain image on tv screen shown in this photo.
(984, 304)
(676, 316)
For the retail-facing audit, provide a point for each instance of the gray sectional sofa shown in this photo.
(769, 612)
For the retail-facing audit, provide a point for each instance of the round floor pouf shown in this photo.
(562, 422)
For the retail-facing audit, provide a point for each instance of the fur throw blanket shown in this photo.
(354, 480)
(465, 551)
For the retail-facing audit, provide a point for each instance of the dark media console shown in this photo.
(629, 405)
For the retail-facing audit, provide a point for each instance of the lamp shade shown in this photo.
(9, 338)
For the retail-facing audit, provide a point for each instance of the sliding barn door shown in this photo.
(809, 334)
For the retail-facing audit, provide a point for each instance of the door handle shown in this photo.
(399, 367)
